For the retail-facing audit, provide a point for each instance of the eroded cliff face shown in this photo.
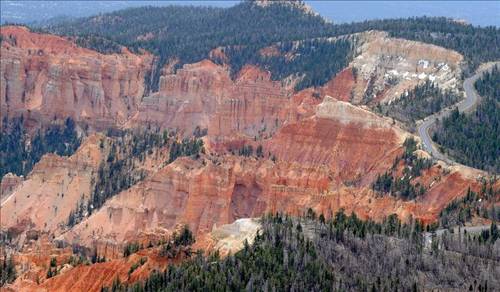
(387, 67)
(325, 162)
(352, 143)
(254, 106)
(50, 76)
(319, 150)
(204, 95)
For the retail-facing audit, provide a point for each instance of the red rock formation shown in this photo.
(341, 86)
(219, 190)
(327, 152)
(185, 99)
(255, 105)
(204, 95)
(94, 277)
(228, 188)
(352, 143)
(326, 162)
(51, 76)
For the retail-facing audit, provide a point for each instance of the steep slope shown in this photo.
(45, 198)
(254, 105)
(326, 162)
(46, 76)
(203, 95)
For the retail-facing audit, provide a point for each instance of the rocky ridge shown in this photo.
(391, 66)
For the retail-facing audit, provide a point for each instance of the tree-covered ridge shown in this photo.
(489, 84)
(422, 101)
(189, 33)
(19, 151)
(475, 139)
(340, 254)
(312, 62)
(100, 44)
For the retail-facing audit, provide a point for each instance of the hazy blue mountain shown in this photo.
(475, 12)
(39, 11)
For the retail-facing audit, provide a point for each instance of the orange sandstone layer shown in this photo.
(48, 76)
(325, 162)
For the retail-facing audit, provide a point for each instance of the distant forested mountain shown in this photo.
(190, 33)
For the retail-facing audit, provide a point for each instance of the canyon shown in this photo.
(321, 148)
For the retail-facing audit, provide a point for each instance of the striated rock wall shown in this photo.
(220, 192)
(203, 94)
(185, 99)
(352, 143)
(255, 106)
(325, 162)
(252, 106)
(340, 87)
(51, 76)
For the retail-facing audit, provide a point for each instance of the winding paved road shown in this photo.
(471, 99)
